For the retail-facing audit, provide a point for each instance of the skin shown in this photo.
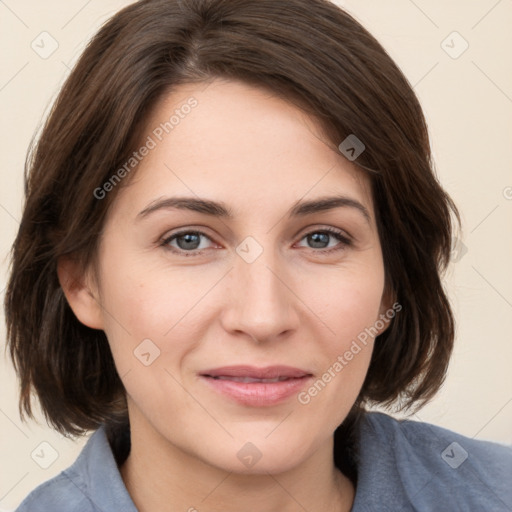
(296, 304)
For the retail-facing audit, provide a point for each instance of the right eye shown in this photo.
(188, 242)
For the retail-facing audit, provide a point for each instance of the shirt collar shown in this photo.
(96, 475)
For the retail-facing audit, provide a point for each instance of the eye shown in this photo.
(320, 237)
(188, 242)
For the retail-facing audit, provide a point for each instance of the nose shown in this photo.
(261, 303)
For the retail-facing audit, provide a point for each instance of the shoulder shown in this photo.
(437, 467)
(58, 494)
(436, 444)
(93, 483)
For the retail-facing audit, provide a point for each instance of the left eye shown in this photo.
(321, 237)
(190, 241)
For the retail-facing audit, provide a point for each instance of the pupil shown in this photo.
(189, 239)
(321, 238)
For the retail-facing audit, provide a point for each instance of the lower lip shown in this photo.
(258, 393)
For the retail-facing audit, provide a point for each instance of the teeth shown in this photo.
(250, 379)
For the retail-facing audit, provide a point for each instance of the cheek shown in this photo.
(144, 303)
(348, 306)
(347, 301)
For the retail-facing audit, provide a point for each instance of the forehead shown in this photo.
(234, 142)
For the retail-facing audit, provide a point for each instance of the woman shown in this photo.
(232, 245)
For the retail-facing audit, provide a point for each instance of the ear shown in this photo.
(80, 291)
(388, 309)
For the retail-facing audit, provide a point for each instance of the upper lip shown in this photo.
(268, 372)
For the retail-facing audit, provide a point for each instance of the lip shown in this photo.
(287, 382)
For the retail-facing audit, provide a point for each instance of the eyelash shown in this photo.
(339, 235)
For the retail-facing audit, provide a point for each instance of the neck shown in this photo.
(160, 476)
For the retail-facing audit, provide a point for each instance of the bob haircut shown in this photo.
(308, 52)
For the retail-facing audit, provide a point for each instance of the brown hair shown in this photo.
(309, 52)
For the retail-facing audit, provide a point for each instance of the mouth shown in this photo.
(248, 385)
(249, 379)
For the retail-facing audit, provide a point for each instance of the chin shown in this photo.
(257, 455)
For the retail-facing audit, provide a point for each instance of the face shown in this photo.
(238, 313)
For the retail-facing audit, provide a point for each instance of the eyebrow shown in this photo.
(220, 209)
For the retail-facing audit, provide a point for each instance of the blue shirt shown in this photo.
(403, 466)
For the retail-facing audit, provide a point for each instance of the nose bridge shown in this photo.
(261, 303)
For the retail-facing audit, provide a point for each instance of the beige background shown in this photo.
(467, 98)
